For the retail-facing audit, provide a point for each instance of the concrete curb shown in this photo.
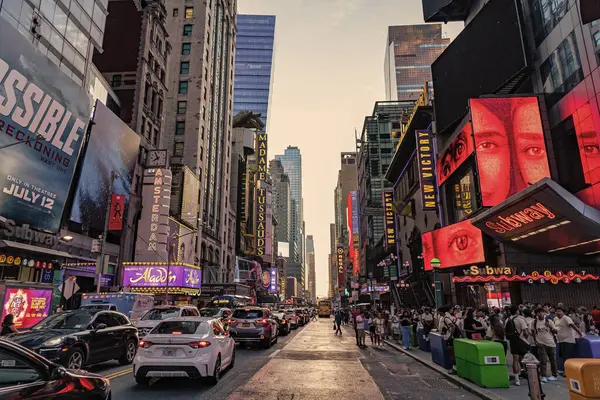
(484, 394)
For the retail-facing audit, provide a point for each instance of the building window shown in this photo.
(178, 149)
(181, 107)
(184, 68)
(202, 133)
(175, 12)
(204, 112)
(186, 49)
(189, 12)
(155, 137)
(118, 79)
(180, 128)
(561, 71)
(201, 153)
(187, 30)
(183, 87)
(545, 15)
(597, 39)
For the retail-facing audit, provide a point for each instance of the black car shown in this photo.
(82, 337)
(284, 324)
(26, 375)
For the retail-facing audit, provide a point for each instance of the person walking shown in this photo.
(360, 329)
(8, 325)
(338, 322)
(517, 333)
(543, 331)
(565, 335)
(405, 321)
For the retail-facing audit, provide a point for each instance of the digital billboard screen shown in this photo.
(43, 120)
(488, 53)
(455, 245)
(28, 306)
(112, 147)
(509, 144)
(455, 154)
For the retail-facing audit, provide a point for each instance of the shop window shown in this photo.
(567, 156)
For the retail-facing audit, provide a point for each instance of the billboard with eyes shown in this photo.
(456, 153)
(455, 245)
(509, 144)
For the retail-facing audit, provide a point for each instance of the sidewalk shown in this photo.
(557, 390)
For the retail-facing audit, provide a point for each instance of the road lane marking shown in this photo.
(273, 354)
(119, 373)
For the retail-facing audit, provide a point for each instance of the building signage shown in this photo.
(390, 226)
(340, 267)
(533, 277)
(523, 218)
(153, 228)
(25, 233)
(463, 198)
(261, 219)
(184, 276)
(424, 98)
(273, 283)
(354, 195)
(487, 270)
(43, 118)
(426, 162)
(268, 225)
(261, 156)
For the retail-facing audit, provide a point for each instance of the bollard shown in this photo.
(532, 364)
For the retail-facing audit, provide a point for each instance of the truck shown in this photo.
(134, 305)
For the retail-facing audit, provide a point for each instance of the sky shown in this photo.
(328, 74)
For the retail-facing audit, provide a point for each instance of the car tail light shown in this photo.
(199, 345)
(144, 344)
(283, 321)
(262, 321)
(232, 321)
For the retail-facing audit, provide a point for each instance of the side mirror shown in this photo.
(57, 373)
(98, 327)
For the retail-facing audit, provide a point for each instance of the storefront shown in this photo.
(183, 284)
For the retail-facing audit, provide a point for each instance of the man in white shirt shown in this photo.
(542, 331)
(565, 336)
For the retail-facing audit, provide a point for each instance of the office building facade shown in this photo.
(312, 276)
(253, 77)
(409, 53)
(292, 166)
(281, 200)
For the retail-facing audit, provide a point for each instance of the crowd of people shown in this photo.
(544, 330)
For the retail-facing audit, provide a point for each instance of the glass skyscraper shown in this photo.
(253, 64)
(292, 166)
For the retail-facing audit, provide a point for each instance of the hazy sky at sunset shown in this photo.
(328, 74)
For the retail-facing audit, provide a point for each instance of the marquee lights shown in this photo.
(541, 230)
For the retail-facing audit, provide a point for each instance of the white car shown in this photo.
(186, 347)
(160, 313)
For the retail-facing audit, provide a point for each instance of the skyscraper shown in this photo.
(281, 200)
(310, 256)
(292, 166)
(410, 51)
(198, 131)
(253, 77)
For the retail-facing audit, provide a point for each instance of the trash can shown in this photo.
(588, 347)
(439, 350)
(423, 340)
(582, 374)
(482, 362)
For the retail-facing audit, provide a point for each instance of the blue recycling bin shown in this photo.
(423, 340)
(440, 354)
(588, 347)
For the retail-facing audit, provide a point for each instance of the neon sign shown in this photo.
(521, 218)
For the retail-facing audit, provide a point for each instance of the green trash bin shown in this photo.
(482, 362)
(413, 338)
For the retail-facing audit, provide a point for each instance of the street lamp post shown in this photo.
(435, 265)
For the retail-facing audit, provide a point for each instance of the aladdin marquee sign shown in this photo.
(180, 275)
(426, 162)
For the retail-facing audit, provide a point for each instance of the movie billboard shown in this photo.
(456, 153)
(190, 197)
(112, 147)
(427, 172)
(455, 245)
(43, 120)
(28, 306)
(509, 144)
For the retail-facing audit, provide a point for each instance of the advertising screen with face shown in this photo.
(587, 139)
(458, 151)
(510, 147)
(455, 245)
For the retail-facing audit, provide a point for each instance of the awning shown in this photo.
(41, 250)
(545, 218)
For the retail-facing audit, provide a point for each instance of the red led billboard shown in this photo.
(455, 245)
(510, 147)
(458, 151)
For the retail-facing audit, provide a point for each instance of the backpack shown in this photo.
(511, 329)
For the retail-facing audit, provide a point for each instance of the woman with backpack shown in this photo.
(450, 331)
(517, 333)
(543, 331)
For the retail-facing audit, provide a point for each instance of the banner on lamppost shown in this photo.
(426, 162)
(117, 206)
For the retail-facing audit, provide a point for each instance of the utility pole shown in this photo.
(100, 262)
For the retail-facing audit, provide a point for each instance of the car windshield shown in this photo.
(209, 312)
(247, 314)
(279, 315)
(158, 314)
(181, 328)
(68, 320)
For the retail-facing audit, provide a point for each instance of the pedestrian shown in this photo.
(472, 327)
(528, 315)
(565, 335)
(449, 331)
(596, 317)
(8, 325)
(543, 331)
(517, 333)
(338, 322)
(427, 321)
(360, 329)
(405, 322)
(372, 328)
(380, 330)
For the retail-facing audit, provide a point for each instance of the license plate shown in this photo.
(169, 352)
(246, 325)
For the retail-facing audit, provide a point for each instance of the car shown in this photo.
(78, 338)
(284, 324)
(222, 314)
(186, 347)
(27, 375)
(253, 325)
(300, 315)
(160, 313)
(292, 317)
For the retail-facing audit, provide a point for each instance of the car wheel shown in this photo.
(129, 355)
(74, 359)
(232, 362)
(276, 338)
(142, 380)
(214, 379)
(266, 342)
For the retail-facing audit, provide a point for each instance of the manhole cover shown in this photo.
(439, 383)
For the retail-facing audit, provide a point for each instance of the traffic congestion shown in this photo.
(76, 352)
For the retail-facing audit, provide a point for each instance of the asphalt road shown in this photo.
(310, 363)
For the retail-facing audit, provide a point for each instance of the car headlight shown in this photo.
(53, 342)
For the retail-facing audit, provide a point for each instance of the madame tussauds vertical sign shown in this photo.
(153, 228)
